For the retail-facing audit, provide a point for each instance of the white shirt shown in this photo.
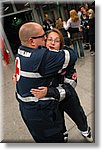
(70, 23)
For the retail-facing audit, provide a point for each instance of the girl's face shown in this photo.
(53, 41)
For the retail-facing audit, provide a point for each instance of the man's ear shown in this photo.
(31, 42)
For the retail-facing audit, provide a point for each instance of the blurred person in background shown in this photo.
(47, 23)
(59, 26)
(84, 23)
(73, 26)
(91, 30)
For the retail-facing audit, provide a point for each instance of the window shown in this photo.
(22, 6)
(7, 8)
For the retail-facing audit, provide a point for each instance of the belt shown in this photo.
(33, 99)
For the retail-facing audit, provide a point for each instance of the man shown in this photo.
(47, 23)
(36, 66)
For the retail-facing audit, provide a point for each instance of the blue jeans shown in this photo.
(80, 44)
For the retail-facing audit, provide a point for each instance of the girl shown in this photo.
(73, 26)
(71, 103)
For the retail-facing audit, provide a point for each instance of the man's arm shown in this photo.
(54, 62)
(42, 92)
(59, 93)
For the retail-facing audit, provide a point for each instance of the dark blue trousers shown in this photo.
(72, 106)
(44, 121)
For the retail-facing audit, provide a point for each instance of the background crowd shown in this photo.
(78, 30)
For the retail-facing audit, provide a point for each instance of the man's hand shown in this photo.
(40, 92)
(14, 78)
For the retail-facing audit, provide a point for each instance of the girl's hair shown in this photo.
(74, 15)
(91, 13)
(59, 23)
(60, 36)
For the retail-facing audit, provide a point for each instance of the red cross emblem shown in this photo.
(17, 68)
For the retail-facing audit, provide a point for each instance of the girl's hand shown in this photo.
(40, 92)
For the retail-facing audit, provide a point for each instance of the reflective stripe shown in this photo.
(66, 62)
(70, 81)
(24, 53)
(54, 50)
(33, 99)
(61, 92)
(30, 74)
(67, 59)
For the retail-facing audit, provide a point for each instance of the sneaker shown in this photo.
(81, 57)
(92, 53)
(65, 137)
(86, 47)
(87, 135)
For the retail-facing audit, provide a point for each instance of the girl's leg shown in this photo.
(81, 48)
(75, 47)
